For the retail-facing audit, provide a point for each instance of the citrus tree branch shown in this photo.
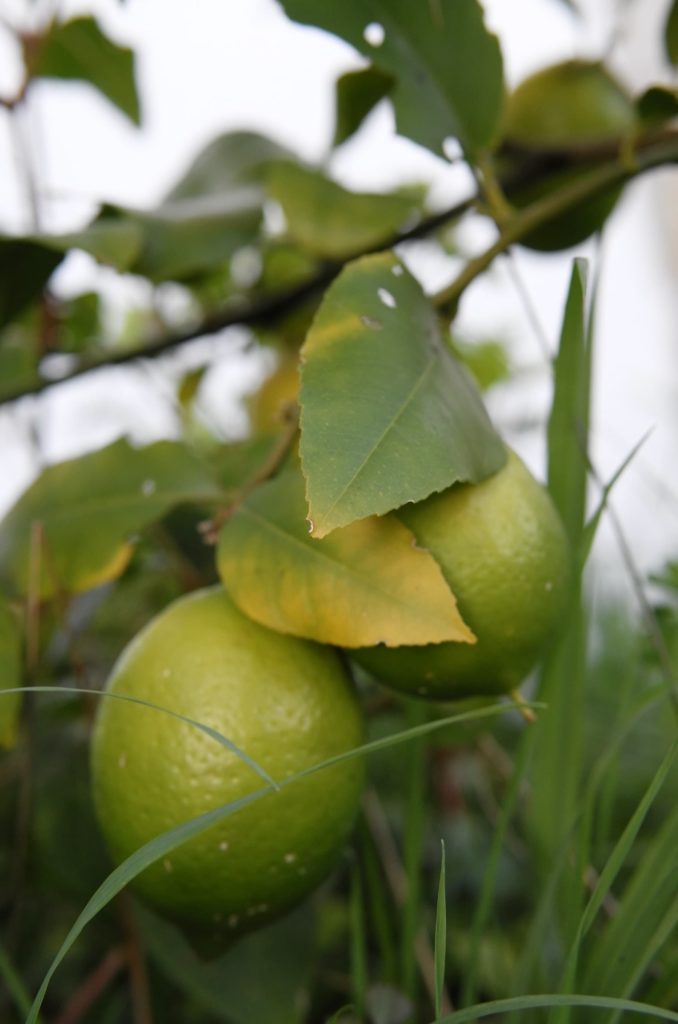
(655, 153)
(620, 165)
(246, 312)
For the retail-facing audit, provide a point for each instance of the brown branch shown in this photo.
(92, 987)
(245, 312)
(624, 160)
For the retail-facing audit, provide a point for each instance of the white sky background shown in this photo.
(216, 65)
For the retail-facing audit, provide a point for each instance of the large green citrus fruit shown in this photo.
(569, 104)
(504, 553)
(287, 702)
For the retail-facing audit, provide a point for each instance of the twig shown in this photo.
(271, 464)
(93, 986)
(142, 1008)
(245, 312)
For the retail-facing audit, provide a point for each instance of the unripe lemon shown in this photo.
(566, 105)
(504, 554)
(287, 702)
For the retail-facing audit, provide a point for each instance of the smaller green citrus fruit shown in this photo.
(287, 702)
(566, 105)
(504, 553)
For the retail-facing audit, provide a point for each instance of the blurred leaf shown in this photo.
(332, 222)
(10, 674)
(230, 987)
(231, 160)
(79, 50)
(25, 268)
(183, 237)
(357, 94)
(89, 508)
(671, 34)
(388, 415)
(487, 361)
(18, 367)
(368, 583)
(658, 103)
(79, 322)
(113, 242)
(447, 66)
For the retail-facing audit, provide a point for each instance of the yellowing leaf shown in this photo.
(366, 584)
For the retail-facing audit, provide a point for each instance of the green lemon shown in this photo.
(565, 105)
(287, 702)
(503, 551)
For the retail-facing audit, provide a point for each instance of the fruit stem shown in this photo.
(528, 713)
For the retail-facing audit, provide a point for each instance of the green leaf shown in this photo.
(75, 523)
(113, 242)
(332, 222)
(671, 34)
(658, 103)
(78, 50)
(182, 238)
(368, 583)
(447, 66)
(10, 675)
(357, 94)
(388, 415)
(25, 268)
(230, 160)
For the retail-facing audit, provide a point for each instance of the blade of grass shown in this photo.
(440, 944)
(214, 734)
(610, 872)
(484, 904)
(526, 974)
(646, 917)
(594, 522)
(413, 838)
(168, 841)
(558, 748)
(358, 943)
(379, 903)
(497, 1006)
(14, 984)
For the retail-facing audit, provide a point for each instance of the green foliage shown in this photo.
(555, 898)
(78, 50)
(388, 416)
(447, 66)
(74, 528)
(357, 94)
